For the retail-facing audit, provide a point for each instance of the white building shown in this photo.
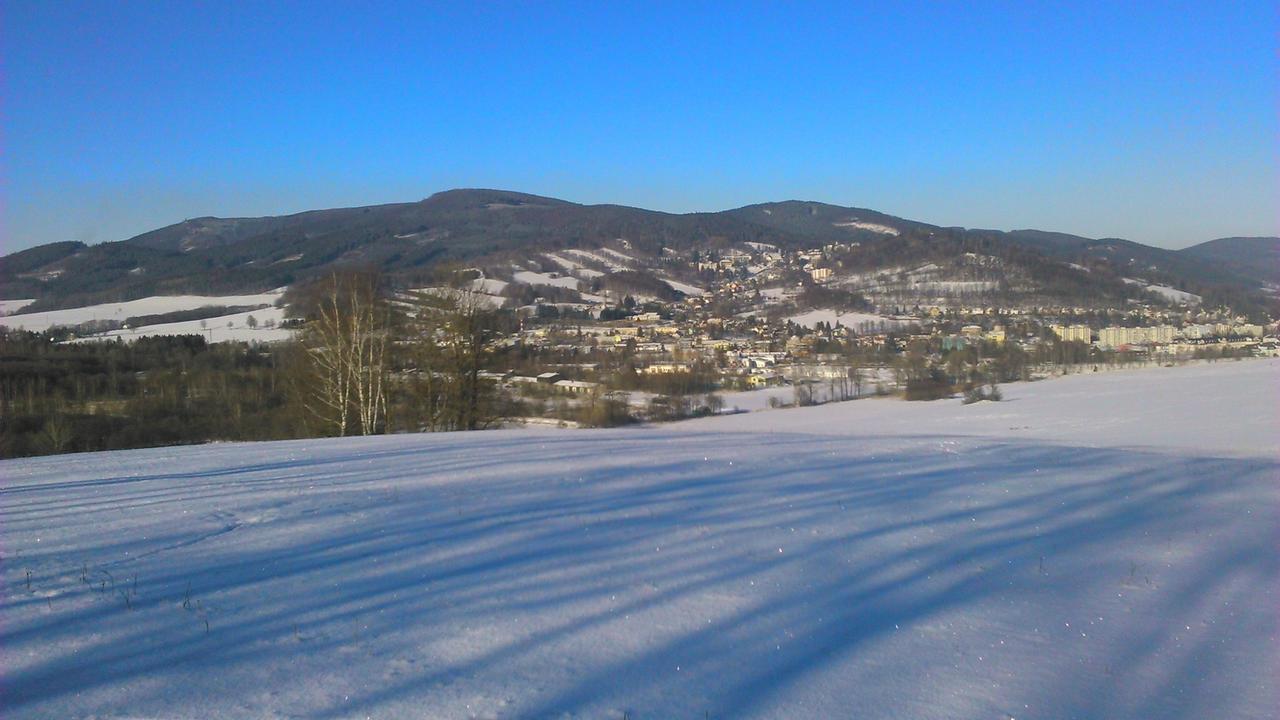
(1072, 333)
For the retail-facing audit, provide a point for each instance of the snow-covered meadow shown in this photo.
(260, 326)
(1094, 546)
(855, 320)
(10, 307)
(41, 321)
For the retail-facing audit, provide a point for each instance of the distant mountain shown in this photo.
(1156, 264)
(215, 255)
(1257, 258)
(829, 223)
(499, 229)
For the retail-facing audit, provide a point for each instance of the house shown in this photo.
(665, 368)
(764, 379)
(576, 387)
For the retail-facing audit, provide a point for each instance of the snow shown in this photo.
(155, 305)
(759, 399)
(872, 227)
(954, 286)
(488, 286)
(853, 320)
(1175, 295)
(482, 299)
(1138, 408)
(529, 277)
(1169, 294)
(623, 258)
(612, 263)
(596, 258)
(565, 263)
(233, 328)
(1095, 546)
(9, 307)
(574, 268)
(687, 289)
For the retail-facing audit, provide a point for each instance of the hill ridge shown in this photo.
(211, 255)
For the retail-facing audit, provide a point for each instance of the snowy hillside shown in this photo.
(39, 321)
(855, 320)
(1169, 294)
(1095, 546)
(262, 326)
(10, 307)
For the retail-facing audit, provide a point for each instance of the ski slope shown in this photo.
(1169, 294)
(1094, 546)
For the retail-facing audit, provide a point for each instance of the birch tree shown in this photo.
(346, 339)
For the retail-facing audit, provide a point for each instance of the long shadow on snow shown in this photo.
(424, 562)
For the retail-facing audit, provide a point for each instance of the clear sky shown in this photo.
(1155, 122)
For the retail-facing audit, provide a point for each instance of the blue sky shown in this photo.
(1154, 122)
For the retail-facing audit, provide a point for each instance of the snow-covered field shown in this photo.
(234, 328)
(574, 268)
(855, 320)
(611, 260)
(686, 288)
(1094, 546)
(528, 277)
(40, 321)
(489, 286)
(873, 227)
(1172, 295)
(821, 391)
(9, 307)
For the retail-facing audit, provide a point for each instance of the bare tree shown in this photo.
(448, 337)
(346, 338)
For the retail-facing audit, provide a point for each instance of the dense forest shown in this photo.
(72, 397)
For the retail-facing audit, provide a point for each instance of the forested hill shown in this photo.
(212, 256)
(1256, 258)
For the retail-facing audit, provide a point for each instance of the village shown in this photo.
(753, 327)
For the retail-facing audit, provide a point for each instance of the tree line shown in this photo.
(366, 361)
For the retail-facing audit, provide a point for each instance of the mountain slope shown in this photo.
(1257, 258)
(211, 256)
